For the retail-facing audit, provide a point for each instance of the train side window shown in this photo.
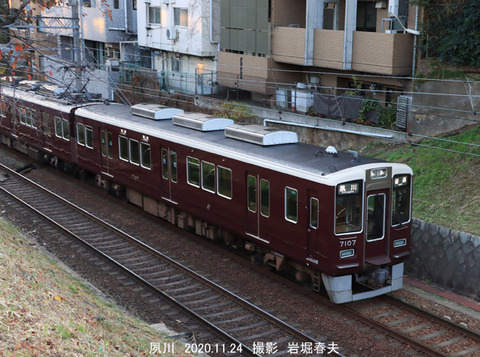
(145, 156)
(265, 198)
(134, 152)
(314, 212)
(61, 128)
(123, 148)
(32, 118)
(23, 114)
(208, 176)
(193, 171)
(89, 137)
(80, 134)
(58, 127)
(110, 145)
(103, 138)
(252, 193)
(224, 182)
(173, 165)
(66, 129)
(45, 123)
(291, 204)
(165, 164)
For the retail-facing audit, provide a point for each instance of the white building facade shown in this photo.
(183, 36)
(108, 33)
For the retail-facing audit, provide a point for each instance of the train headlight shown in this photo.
(378, 173)
(347, 253)
(400, 242)
(401, 180)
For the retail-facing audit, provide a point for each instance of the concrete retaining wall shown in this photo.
(442, 107)
(446, 257)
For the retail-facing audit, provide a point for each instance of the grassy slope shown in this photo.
(45, 311)
(446, 184)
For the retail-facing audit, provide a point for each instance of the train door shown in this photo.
(313, 235)
(169, 173)
(258, 204)
(377, 234)
(106, 143)
(44, 125)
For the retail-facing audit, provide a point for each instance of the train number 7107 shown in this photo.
(347, 243)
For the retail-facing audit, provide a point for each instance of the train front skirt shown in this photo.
(339, 288)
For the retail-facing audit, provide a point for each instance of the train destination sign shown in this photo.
(349, 188)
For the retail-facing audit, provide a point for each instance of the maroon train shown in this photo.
(329, 217)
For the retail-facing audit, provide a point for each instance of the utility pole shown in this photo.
(63, 23)
(77, 45)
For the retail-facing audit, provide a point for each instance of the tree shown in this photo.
(451, 32)
(23, 44)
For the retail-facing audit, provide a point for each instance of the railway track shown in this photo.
(425, 335)
(236, 326)
(433, 335)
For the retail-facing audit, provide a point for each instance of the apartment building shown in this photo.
(316, 45)
(33, 42)
(108, 33)
(183, 36)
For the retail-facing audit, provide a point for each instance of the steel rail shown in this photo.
(290, 329)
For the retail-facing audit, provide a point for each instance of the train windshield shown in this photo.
(348, 207)
(401, 199)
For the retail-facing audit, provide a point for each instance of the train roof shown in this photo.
(303, 160)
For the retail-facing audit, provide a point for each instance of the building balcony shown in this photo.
(373, 52)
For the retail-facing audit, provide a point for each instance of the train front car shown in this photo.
(371, 232)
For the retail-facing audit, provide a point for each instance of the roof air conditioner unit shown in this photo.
(172, 33)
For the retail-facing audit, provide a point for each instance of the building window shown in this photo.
(116, 4)
(154, 16)
(366, 16)
(175, 65)
(88, 3)
(180, 17)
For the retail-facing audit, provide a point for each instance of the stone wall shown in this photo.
(445, 257)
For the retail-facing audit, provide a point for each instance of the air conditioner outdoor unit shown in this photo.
(404, 104)
(172, 33)
(112, 65)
